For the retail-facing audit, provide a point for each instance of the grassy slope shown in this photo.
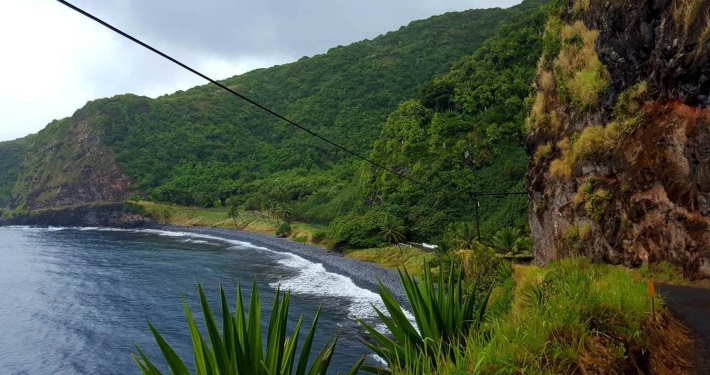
(218, 218)
(574, 317)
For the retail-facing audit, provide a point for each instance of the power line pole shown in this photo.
(478, 226)
(477, 203)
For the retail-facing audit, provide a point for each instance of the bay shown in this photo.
(77, 300)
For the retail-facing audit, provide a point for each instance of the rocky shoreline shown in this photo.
(364, 275)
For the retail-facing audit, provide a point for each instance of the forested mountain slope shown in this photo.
(203, 146)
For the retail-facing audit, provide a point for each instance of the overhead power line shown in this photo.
(260, 106)
(240, 96)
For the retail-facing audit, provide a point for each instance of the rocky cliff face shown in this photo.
(68, 165)
(619, 134)
(121, 215)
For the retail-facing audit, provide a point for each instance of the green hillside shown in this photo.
(11, 156)
(463, 134)
(204, 146)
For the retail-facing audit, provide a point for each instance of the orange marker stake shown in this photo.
(652, 294)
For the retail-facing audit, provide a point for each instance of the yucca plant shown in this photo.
(239, 348)
(444, 317)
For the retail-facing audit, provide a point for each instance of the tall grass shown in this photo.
(573, 317)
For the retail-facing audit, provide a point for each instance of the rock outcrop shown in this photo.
(619, 134)
(118, 215)
(68, 165)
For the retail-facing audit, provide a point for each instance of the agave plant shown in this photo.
(444, 316)
(238, 349)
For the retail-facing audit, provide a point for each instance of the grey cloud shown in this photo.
(237, 34)
(239, 27)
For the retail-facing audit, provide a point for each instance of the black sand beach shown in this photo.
(363, 274)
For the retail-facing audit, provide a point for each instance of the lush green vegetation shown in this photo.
(440, 100)
(203, 145)
(481, 316)
(571, 317)
(12, 154)
(464, 134)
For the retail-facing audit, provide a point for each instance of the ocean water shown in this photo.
(77, 300)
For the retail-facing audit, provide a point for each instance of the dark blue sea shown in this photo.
(76, 301)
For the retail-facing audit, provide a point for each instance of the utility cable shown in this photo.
(257, 104)
(240, 96)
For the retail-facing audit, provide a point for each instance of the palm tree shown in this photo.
(510, 240)
(504, 239)
(393, 232)
(464, 235)
(233, 212)
(281, 212)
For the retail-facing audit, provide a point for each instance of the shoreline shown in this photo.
(363, 274)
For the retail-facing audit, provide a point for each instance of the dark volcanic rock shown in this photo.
(662, 42)
(96, 215)
(653, 185)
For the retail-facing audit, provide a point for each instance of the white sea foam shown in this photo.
(313, 279)
(56, 229)
(379, 359)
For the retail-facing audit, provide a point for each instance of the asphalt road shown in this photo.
(692, 305)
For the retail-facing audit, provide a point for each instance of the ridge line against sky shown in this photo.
(55, 60)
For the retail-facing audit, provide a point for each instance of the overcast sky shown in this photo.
(54, 60)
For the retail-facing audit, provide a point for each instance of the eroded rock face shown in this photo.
(73, 170)
(118, 215)
(627, 179)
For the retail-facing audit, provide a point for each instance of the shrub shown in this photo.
(586, 86)
(598, 204)
(360, 231)
(318, 236)
(537, 113)
(591, 142)
(551, 41)
(562, 168)
(135, 208)
(444, 315)
(164, 215)
(284, 229)
(628, 109)
(542, 152)
(579, 75)
(547, 82)
(581, 5)
(481, 268)
(585, 232)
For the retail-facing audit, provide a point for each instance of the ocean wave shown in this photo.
(313, 279)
